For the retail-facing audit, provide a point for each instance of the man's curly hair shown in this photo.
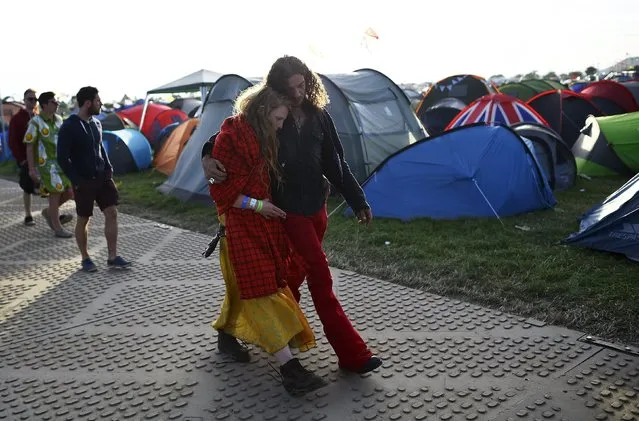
(287, 66)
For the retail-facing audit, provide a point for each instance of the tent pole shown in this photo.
(203, 93)
(146, 104)
(487, 201)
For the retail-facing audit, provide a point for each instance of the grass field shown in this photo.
(519, 267)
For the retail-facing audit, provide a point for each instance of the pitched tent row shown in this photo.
(371, 113)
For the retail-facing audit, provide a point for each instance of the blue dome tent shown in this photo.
(612, 225)
(472, 171)
(128, 150)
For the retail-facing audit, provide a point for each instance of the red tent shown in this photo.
(615, 92)
(157, 117)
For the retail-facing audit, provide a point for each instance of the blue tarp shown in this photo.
(612, 225)
(128, 150)
(473, 171)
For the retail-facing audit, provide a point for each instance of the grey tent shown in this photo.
(187, 181)
(372, 116)
(554, 156)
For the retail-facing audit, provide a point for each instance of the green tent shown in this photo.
(526, 89)
(608, 145)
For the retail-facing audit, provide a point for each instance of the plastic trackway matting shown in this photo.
(137, 344)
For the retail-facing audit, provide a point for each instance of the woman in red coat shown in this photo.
(258, 308)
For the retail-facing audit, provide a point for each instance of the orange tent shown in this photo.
(168, 155)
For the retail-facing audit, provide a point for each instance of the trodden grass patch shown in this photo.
(517, 265)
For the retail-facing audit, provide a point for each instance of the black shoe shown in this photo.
(299, 381)
(28, 221)
(370, 365)
(230, 346)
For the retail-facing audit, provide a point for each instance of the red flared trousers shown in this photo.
(306, 234)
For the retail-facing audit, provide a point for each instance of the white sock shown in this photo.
(284, 355)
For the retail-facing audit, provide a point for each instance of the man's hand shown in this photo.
(365, 216)
(213, 169)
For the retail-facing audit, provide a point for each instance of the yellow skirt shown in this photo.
(270, 322)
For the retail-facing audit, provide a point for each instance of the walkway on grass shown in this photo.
(137, 344)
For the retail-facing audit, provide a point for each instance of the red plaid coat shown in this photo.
(258, 247)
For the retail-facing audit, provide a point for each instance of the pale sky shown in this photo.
(133, 46)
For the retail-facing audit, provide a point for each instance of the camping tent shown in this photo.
(371, 113)
(472, 171)
(113, 121)
(5, 151)
(608, 145)
(500, 109)
(633, 86)
(553, 155)
(611, 97)
(163, 136)
(437, 117)
(372, 116)
(612, 225)
(200, 81)
(466, 88)
(187, 181)
(128, 150)
(527, 89)
(9, 109)
(157, 117)
(578, 86)
(189, 105)
(565, 112)
(172, 148)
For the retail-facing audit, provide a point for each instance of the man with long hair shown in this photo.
(258, 307)
(310, 152)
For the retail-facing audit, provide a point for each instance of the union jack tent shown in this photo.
(497, 109)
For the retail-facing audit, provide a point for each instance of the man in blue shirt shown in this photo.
(82, 157)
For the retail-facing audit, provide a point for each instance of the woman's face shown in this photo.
(277, 116)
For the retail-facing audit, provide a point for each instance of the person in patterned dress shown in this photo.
(258, 308)
(41, 139)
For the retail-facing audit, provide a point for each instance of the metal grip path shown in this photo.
(137, 344)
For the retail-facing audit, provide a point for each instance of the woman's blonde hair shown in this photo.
(255, 104)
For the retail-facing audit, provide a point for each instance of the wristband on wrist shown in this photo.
(252, 203)
(260, 205)
(246, 198)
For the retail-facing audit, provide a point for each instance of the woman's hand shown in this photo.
(269, 210)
